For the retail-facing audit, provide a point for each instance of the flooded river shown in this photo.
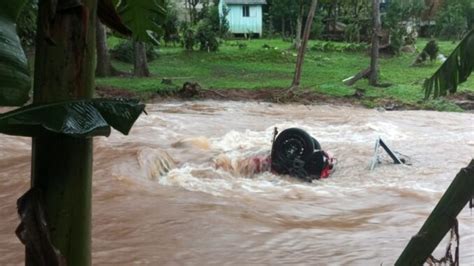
(199, 215)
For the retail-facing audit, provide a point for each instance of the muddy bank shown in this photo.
(278, 95)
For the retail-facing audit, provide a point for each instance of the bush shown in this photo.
(206, 36)
(318, 26)
(124, 52)
(339, 47)
(189, 39)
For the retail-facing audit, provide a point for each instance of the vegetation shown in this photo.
(269, 64)
(124, 52)
(455, 70)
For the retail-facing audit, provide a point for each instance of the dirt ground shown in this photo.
(194, 91)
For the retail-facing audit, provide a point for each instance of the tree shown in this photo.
(104, 66)
(302, 50)
(56, 211)
(192, 7)
(299, 25)
(372, 72)
(374, 56)
(140, 65)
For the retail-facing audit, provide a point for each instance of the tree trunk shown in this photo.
(299, 27)
(140, 66)
(104, 66)
(374, 57)
(62, 166)
(283, 28)
(302, 50)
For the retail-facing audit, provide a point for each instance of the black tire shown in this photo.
(315, 165)
(291, 145)
(317, 146)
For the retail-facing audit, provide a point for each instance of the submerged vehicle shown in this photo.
(296, 153)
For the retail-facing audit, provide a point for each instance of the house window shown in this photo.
(246, 10)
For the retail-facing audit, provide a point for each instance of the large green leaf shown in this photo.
(455, 70)
(107, 13)
(142, 16)
(15, 81)
(79, 118)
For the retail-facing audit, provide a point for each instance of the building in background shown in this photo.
(245, 17)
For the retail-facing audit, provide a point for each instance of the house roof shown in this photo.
(245, 2)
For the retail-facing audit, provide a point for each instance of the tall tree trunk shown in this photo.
(302, 50)
(299, 26)
(104, 66)
(62, 166)
(140, 66)
(374, 57)
(336, 11)
(283, 27)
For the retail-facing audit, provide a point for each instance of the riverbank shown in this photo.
(262, 70)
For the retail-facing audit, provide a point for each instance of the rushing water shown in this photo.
(199, 215)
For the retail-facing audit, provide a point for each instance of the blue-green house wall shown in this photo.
(238, 24)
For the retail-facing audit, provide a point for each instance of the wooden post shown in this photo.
(62, 166)
(441, 220)
(304, 44)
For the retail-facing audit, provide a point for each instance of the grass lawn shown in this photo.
(254, 67)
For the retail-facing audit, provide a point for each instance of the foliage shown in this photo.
(339, 47)
(206, 32)
(455, 70)
(15, 81)
(77, 118)
(26, 23)
(451, 21)
(171, 24)
(399, 12)
(352, 32)
(318, 26)
(188, 33)
(143, 17)
(124, 51)
(206, 36)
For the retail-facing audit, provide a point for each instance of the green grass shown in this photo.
(254, 67)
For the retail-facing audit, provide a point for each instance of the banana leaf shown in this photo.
(454, 71)
(107, 13)
(143, 17)
(79, 118)
(15, 82)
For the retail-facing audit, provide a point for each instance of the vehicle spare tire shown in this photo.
(317, 146)
(315, 165)
(291, 149)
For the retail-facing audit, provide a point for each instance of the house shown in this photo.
(244, 16)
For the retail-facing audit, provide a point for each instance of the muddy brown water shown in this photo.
(197, 215)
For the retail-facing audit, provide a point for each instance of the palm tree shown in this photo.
(56, 211)
(454, 71)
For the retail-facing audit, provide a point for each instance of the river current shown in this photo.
(196, 214)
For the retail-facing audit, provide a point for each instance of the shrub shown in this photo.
(124, 52)
(352, 32)
(189, 38)
(206, 36)
(339, 47)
